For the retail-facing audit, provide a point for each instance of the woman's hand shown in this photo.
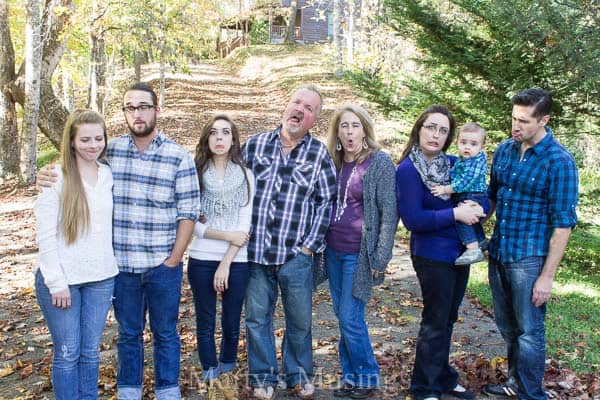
(468, 212)
(221, 278)
(62, 299)
(238, 238)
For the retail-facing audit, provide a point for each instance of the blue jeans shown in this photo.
(520, 322)
(359, 367)
(76, 333)
(200, 276)
(443, 287)
(158, 292)
(470, 233)
(294, 279)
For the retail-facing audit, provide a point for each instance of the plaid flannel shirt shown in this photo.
(469, 174)
(533, 196)
(293, 197)
(152, 191)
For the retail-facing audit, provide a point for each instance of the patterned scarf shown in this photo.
(221, 199)
(434, 172)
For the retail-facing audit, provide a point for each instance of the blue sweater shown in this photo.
(429, 219)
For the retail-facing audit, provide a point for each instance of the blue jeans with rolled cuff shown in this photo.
(520, 322)
(76, 332)
(156, 292)
(294, 280)
(200, 276)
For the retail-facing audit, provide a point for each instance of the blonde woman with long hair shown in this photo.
(359, 241)
(76, 266)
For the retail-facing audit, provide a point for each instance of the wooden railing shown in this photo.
(278, 32)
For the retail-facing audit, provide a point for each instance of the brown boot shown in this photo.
(214, 391)
(229, 385)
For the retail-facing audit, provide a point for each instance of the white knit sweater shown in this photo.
(90, 258)
(214, 250)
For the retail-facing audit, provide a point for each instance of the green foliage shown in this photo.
(475, 54)
(259, 32)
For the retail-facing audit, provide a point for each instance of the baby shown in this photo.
(468, 183)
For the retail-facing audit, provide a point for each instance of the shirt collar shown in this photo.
(158, 140)
(541, 146)
(276, 134)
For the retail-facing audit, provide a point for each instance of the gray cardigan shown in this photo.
(379, 226)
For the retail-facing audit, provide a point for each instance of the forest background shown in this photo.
(399, 56)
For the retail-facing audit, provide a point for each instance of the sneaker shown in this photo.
(305, 392)
(214, 391)
(264, 393)
(344, 390)
(470, 256)
(507, 389)
(460, 392)
(228, 385)
(362, 393)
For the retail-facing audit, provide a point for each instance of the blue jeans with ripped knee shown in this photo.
(76, 333)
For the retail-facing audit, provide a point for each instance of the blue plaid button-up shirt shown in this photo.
(293, 197)
(469, 174)
(152, 191)
(533, 196)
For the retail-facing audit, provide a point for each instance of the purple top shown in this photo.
(429, 219)
(345, 230)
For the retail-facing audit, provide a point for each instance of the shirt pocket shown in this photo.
(262, 168)
(161, 196)
(302, 174)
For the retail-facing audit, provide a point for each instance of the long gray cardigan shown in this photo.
(379, 226)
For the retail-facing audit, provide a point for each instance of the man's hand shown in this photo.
(307, 251)
(46, 177)
(171, 262)
(542, 289)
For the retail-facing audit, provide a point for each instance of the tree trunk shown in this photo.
(31, 109)
(9, 146)
(67, 90)
(109, 78)
(290, 35)
(139, 60)
(350, 33)
(337, 38)
(97, 75)
(161, 101)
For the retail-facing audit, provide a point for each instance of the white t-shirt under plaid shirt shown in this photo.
(152, 191)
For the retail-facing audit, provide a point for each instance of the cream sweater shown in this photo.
(90, 258)
(214, 250)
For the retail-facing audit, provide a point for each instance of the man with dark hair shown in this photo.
(533, 188)
(156, 203)
(295, 185)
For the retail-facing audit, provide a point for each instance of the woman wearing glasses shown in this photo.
(434, 246)
(218, 261)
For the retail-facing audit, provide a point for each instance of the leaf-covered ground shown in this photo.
(393, 314)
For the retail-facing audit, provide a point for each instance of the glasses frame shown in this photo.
(141, 108)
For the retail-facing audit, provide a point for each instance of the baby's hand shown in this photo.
(438, 190)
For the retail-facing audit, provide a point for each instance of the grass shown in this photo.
(573, 320)
(46, 152)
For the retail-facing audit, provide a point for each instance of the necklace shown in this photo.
(341, 207)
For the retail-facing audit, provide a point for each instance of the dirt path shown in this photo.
(393, 314)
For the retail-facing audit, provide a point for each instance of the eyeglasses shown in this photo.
(433, 128)
(141, 107)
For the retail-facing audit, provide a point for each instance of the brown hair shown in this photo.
(204, 155)
(367, 125)
(414, 133)
(75, 212)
